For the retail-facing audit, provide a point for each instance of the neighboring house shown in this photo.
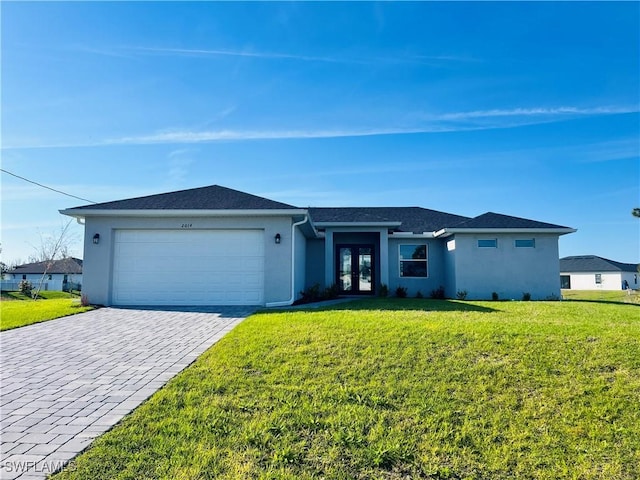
(589, 272)
(62, 275)
(217, 246)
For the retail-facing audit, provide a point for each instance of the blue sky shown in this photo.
(527, 109)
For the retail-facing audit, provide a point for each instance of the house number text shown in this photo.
(187, 225)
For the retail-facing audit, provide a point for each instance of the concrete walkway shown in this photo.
(67, 381)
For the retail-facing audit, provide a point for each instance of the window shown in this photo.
(598, 278)
(24, 277)
(50, 277)
(488, 243)
(413, 260)
(526, 243)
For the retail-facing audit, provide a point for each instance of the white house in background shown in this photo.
(218, 246)
(62, 275)
(590, 272)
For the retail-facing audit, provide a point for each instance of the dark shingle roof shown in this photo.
(413, 219)
(66, 265)
(213, 197)
(498, 220)
(593, 263)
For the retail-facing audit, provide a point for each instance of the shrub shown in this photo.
(401, 292)
(310, 294)
(438, 293)
(25, 287)
(526, 296)
(331, 292)
(419, 294)
(383, 291)
(84, 300)
(461, 295)
(313, 294)
(494, 296)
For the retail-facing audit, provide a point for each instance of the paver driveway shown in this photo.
(67, 381)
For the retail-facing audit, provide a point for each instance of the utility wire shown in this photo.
(44, 186)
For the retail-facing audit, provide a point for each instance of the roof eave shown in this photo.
(267, 212)
(445, 232)
(357, 224)
(411, 235)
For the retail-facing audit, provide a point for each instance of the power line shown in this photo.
(44, 186)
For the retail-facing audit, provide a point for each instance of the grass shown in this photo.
(620, 296)
(16, 310)
(391, 389)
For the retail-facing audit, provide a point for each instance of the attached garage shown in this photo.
(188, 267)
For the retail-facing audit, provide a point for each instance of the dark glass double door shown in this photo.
(355, 273)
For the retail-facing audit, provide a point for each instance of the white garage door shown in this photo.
(188, 267)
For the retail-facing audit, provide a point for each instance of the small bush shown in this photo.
(401, 292)
(313, 294)
(310, 294)
(526, 296)
(383, 291)
(25, 287)
(419, 294)
(438, 293)
(494, 296)
(331, 292)
(84, 300)
(461, 295)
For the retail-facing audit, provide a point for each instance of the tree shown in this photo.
(51, 248)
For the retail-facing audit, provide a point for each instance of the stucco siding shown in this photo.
(98, 259)
(300, 263)
(506, 269)
(609, 280)
(435, 267)
(315, 263)
(449, 257)
(55, 284)
(632, 278)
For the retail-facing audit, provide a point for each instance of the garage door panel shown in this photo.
(194, 267)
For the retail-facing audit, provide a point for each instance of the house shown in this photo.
(218, 246)
(61, 275)
(590, 272)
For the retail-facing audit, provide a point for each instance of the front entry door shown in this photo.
(355, 269)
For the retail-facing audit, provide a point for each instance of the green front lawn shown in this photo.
(17, 310)
(396, 389)
(621, 296)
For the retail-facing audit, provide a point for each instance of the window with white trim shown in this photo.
(488, 243)
(598, 278)
(413, 260)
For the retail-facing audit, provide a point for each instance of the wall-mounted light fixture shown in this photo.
(96, 239)
(278, 238)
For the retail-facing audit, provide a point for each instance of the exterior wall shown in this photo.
(507, 270)
(98, 259)
(300, 263)
(610, 280)
(55, 284)
(435, 267)
(315, 262)
(449, 256)
(632, 278)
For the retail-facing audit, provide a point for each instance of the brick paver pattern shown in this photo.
(65, 382)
